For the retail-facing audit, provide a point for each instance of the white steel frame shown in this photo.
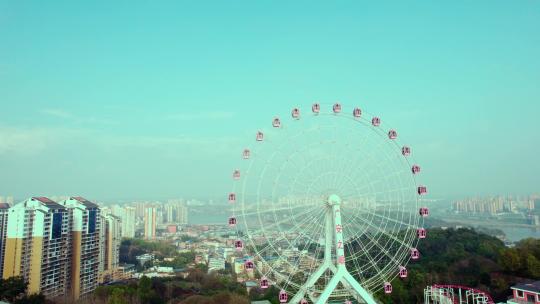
(333, 237)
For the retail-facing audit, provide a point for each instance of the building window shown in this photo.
(91, 221)
(56, 226)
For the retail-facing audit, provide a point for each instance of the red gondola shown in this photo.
(295, 113)
(232, 197)
(238, 245)
(421, 233)
(336, 108)
(264, 283)
(236, 174)
(415, 169)
(316, 108)
(260, 136)
(246, 154)
(283, 297)
(303, 301)
(402, 272)
(347, 302)
(406, 151)
(248, 265)
(357, 112)
(276, 123)
(415, 254)
(376, 121)
(341, 259)
(422, 190)
(424, 211)
(387, 287)
(232, 221)
(392, 134)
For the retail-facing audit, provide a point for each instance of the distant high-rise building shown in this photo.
(139, 208)
(176, 212)
(10, 200)
(3, 233)
(38, 246)
(150, 217)
(127, 215)
(109, 253)
(182, 214)
(85, 234)
(160, 215)
(128, 222)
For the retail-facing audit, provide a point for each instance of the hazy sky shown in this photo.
(138, 100)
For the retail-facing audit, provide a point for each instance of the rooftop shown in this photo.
(85, 202)
(532, 287)
(48, 202)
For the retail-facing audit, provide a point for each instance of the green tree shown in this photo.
(117, 296)
(31, 299)
(12, 288)
(533, 266)
(510, 260)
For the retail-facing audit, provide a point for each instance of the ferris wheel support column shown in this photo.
(327, 264)
(333, 239)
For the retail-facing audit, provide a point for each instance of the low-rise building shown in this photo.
(216, 263)
(525, 293)
(143, 258)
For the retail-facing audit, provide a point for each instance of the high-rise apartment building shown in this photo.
(38, 246)
(85, 237)
(128, 216)
(109, 253)
(128, 222)
(3, 230)
(60, 249)
(182, 214)
(176, 212)
(150, 217)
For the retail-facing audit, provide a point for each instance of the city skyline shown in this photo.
(127, 102)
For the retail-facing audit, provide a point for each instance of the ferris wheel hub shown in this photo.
(334, 199)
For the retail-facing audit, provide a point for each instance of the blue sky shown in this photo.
(135, 99)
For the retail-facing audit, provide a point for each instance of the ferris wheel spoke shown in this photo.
(370, 155)
(349, 146)
(382, 192)
(391, 219)
(270, 210)
(277, 223)
(385, 233)
(296, 266)
(384, 178)
(382, 249)
(282, 237)
(371, 261)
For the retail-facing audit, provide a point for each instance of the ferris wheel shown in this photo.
(326, 205)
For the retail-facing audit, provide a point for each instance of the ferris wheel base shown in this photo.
(340, 272)
(341, 275)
